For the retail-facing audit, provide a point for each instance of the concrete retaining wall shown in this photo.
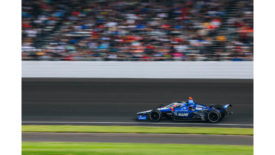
(130, 69)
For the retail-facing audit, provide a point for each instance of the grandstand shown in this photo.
(137, 30)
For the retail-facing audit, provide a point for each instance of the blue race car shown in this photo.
(187, 111)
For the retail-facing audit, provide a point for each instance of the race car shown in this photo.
(187, 111)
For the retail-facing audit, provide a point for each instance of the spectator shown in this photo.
(176, 30)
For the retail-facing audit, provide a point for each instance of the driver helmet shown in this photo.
(190, 100)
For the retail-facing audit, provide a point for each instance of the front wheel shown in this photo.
(214, 116)
(155, 115)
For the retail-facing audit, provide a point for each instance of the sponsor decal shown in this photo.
(198, 108)
(183, 114)
(142, 117)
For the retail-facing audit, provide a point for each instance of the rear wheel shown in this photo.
(214, 116)
(220, 107)
(155, 115)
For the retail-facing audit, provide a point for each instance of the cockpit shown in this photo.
(175, 104)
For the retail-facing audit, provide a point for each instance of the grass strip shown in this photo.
(137, 129)
(83, 148)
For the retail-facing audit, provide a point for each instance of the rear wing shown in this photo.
(227, 108)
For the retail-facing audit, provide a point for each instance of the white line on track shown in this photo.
(135, 123)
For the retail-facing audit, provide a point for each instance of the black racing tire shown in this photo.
(220, 107)
(214, 116)
(155, 115)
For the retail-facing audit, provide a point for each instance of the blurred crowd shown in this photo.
(137, 30)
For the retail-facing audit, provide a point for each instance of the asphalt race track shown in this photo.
(116, 101)
(138, 138)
